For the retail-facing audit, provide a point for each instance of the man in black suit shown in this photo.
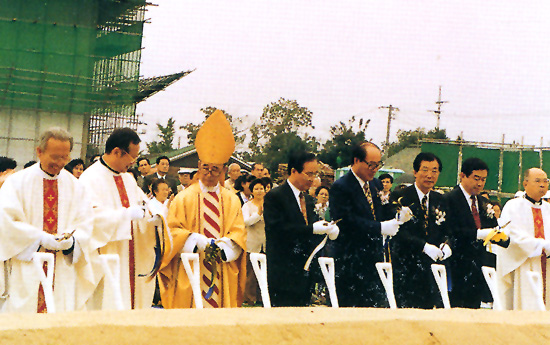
(423, 241)
(470, 219)
(163, 165)
(290, 228)
(354, 198)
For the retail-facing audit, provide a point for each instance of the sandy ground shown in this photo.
(279, 326)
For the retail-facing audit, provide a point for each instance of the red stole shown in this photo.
(539, 233)
(49, 224)
(126, 203)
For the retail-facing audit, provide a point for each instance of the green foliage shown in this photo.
(166, 138)
(279, 118)
(336, 151)
(412, 138)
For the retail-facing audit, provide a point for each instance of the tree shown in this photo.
(166, 138)
(236, 126)
(279, 118)
(336, 151)
(412, 138)
(279, 147)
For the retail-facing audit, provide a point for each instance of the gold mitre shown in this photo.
(215, 142)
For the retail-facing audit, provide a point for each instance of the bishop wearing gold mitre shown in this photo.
(206, 218)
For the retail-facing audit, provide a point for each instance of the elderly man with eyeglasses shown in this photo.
(206, 218)
(354, 198)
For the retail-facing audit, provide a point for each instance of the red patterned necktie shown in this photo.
(368, 194)
(49, 224)
(477, 220)
(539, 233)
(211, 227)
(131, 256)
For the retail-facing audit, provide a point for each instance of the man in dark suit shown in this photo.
(423, 241)
(290, 228)
(163, 165)
(354, 198)
(470, 219)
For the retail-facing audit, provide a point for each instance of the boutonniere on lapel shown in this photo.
(490, 211)
(439, 215)
(384, 198)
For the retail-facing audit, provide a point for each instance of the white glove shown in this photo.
(321, 227)
(447, 252)
(432, 251)
(404, 215)
(136, 212)
(482, 233)
(48, 241)
(389, 227)
(231, 250)
(195, 240)
(333, 234)
(156, 220)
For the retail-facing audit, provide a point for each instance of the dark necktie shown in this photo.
(368, 194)
(424, 206)
(477, 220)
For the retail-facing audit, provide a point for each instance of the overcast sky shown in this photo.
(349, 57)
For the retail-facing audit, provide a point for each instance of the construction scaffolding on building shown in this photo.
(70, 63)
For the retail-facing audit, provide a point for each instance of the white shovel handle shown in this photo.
(259, 263)
(440, 275)
(491, 278)
(46, 279)
(327, 267)
(194, 276)
(386, 276)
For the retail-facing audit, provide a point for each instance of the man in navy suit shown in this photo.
(354, 198)
(423, 241)
(291, 226)
(470, 219)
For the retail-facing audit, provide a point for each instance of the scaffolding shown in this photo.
(73, 57)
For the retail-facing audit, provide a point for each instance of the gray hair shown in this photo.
(54, 133)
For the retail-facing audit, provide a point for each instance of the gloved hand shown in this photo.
(333, 234)
(136, 212)
(321, 227)
(389, 227)
(156, 220)
(432, 251)
(195, 241)
(49, 241)
(546, 247)
(482, 233)
(230, 250)
(404, 215)
(447, 252)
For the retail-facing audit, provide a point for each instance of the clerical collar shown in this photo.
(206, 189)
(107, 166)
(533, 200)
(47, 173)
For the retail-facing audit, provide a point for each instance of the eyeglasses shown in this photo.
(541, 180)
(128, 153)
(426, 170)
(373, 165)
(214, 170)
(311, 174)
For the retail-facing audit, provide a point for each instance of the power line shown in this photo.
(391, 109)
(438, 111)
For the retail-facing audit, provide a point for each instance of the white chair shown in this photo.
(259, 263)
(46, 279)
(111, 268)
(440, 275)
(386, 276)
(194, 276)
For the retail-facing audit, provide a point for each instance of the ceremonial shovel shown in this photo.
(440, 275)
(111, 266)
(490, 277)
(327, 267)
(46, 279)
(259, 263)
(386, 276)
(194, 276)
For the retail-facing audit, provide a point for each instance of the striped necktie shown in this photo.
(424, 206)
(368, 194)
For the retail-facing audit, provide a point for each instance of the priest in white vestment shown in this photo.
(120, 224)
(44, 208)
(529, 231)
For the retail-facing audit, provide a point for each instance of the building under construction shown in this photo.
(73, 64)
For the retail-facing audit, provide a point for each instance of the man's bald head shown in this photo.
(535, 183)
(234, 171)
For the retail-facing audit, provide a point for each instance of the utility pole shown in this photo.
(438, 111)
(391, 109)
